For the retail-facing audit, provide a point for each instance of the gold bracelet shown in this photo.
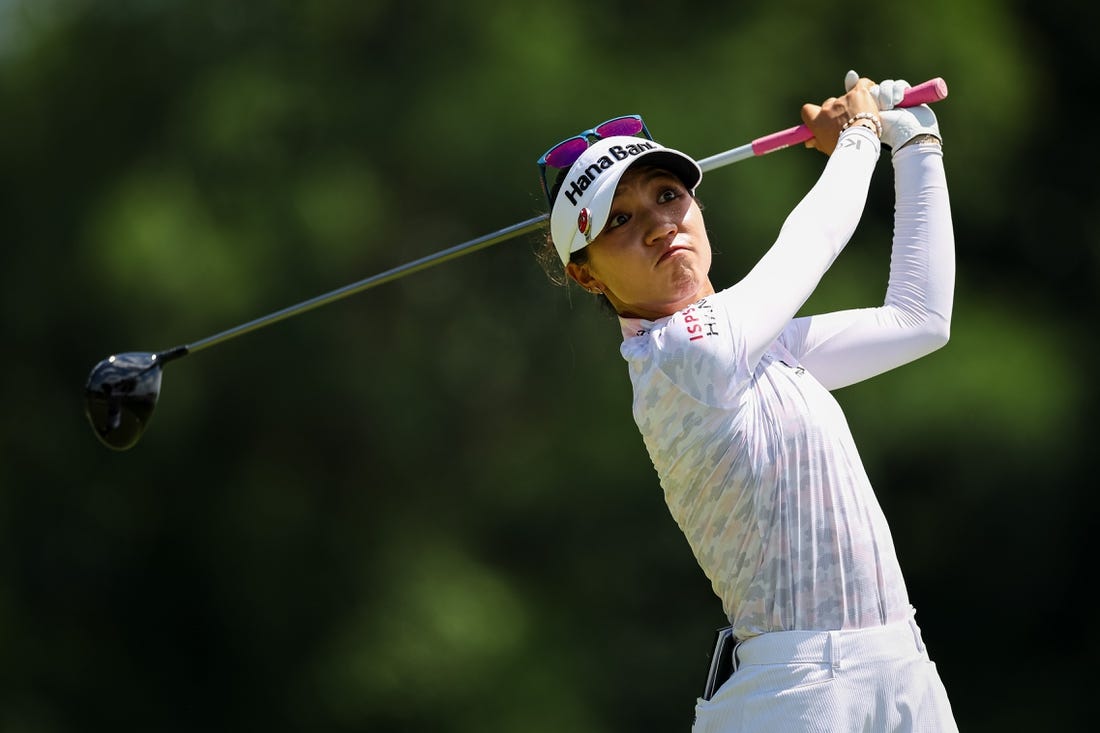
(925, 138)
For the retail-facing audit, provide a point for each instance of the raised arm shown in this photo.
(848, 346)
(816, 230)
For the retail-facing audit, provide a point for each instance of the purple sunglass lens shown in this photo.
(621, 126)
(566, 153)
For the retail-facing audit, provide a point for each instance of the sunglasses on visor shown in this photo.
(564, 154)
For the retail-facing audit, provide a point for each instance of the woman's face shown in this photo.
(653, 257)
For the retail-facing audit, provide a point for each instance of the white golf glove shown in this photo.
(899, 124)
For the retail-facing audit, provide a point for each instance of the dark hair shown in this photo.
(548, 259)
(547, 254)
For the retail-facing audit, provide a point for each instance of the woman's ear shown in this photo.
(581, 275)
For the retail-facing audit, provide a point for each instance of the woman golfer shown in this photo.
(732, 397)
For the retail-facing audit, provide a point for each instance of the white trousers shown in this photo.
(877, 680)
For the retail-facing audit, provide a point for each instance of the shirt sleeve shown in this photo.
(763, 303)
(845, 347)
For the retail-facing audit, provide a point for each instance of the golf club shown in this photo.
(122, 390)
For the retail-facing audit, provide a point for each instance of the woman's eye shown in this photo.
(617, 220)
(667, 195)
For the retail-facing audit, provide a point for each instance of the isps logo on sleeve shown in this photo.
(699, 320)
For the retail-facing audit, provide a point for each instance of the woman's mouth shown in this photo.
(671, 252)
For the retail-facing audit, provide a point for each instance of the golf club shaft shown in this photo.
(929, 91)
(516, 230)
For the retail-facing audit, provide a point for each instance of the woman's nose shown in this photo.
(659, 227)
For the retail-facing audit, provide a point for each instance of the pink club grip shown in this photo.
(932, 90)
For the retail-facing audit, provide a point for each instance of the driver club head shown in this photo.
(119, 398)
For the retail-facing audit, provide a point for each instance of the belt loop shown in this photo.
(917, 639)
(834, 649)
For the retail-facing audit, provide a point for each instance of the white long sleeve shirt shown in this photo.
(731, 395)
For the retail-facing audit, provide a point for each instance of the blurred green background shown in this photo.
(426, 507)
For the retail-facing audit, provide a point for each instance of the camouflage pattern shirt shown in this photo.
(732, 397)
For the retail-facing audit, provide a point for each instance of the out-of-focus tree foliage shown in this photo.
(426, 507)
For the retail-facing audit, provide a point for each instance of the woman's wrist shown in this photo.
(922, 139)
(865, 119)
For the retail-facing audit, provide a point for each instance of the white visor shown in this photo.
(584, 199)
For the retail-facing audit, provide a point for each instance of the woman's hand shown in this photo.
(828, 119)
